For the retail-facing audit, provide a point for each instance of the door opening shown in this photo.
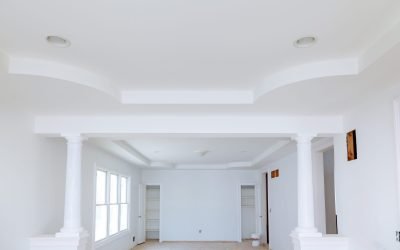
(152, 212)
(248, 207)
(330, 199)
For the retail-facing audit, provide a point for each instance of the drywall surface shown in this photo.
(366, 188)
(282, 202)
(31, 182)
(329, 181)
(92, 158)
(200, 205)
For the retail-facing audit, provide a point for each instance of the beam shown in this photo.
(109, 126)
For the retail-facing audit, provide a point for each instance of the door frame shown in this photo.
(141, 215)
(266, 176)
(239, 208)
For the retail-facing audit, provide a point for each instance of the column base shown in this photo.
(60, 241)
(317, 241)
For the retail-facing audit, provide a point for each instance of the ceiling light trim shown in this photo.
(305, 42)
(58, 41)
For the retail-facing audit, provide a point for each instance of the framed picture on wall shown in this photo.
(351, 145)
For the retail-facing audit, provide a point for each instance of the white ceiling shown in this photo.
(167, 51)
(224, 58)
(195, 152)
(327, 96)
(184, 45)
(221, 150)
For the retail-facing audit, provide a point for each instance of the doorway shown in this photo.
(248, 210)
(152, 222)
(330, 198)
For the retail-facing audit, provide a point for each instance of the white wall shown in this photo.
(193, 200)
(329, 184)
(91, 157)
(32, 184)
(282, 202)
(366, 188)
(32, 181)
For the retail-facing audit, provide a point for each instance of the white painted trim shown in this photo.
(396, 114)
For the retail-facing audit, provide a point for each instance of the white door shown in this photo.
(141, 236)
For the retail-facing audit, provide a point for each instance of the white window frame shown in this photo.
(107, 203)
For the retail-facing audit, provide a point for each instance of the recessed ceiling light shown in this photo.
(58, 41)
(202, 152)
(305, 42)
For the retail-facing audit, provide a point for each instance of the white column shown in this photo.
(306, 220)
(71, 236)
(72, 205)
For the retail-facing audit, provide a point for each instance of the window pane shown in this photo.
(113, 188)
(124, 217)
(101, 222)
(101, 187)
(113, 219)
(124, 192)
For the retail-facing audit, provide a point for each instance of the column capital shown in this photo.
(304, 138)
(73, 138)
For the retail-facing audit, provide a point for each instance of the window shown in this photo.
(112, 204)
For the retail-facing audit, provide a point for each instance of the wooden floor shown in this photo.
(153, 245)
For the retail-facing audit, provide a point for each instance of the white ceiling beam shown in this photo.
(133, 152)
(269, 152)
(125, 125)
(187, 97)
(159, 164)
(211, 166)
(117, 151)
